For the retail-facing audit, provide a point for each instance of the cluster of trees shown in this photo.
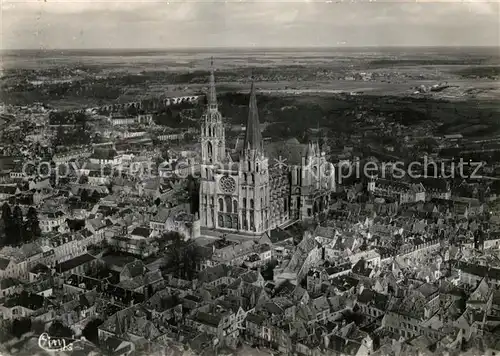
(18, 231)
(182, 257)
(91, 332)
(93, 198)
(67, 118)
(95, 90)
(178, 116)
(18, 327)
(69, 136)
(58, 329)
(268, 271)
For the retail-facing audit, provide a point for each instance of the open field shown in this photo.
(322, 84)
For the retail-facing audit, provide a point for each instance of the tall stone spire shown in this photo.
(212, 96)
(253, 136)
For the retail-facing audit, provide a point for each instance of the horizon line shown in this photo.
(247, 47)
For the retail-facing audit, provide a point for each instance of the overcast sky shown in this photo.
(74, 24)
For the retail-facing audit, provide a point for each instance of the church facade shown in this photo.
(254, 187)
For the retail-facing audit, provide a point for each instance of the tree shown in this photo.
(182, 257)
(6, 214)
(58, 139)
(179, 192)
(5, 331)
(38, 327)
(91, 331)
(164, 153)
(142, 247)
(132, 110)
(83, 179)
(173, 255)
(95, 197)
(21, 327)
(17, 219)
(58, 329)
(32, 224)
(84, 195)
(8, 223)
(191, 259)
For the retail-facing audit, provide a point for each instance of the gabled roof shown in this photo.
(371, 297)
(4, 263)
(209, 319)
(141, 231)
(136, 268)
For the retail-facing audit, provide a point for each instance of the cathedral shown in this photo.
(257, 186)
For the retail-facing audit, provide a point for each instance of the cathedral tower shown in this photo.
(213, 153)
(213, 142)
(254, 174)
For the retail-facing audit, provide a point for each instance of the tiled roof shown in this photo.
(104, 153)
(292, 152)
(210, 319)
(141, 231)
(28, 300)
(74, 262)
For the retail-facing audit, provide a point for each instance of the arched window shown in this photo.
(245, 224)
(244, 203)
(249, 166)
(251, 178)
(212, 201)
(229, 222)
(228, 204)
(235, 222)
(245, 177)
(261, 203)
(209, 149)
(221, 221)
(251, 204)
(235, 206)
(257, 167)
(221, 204)
(252, 225)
